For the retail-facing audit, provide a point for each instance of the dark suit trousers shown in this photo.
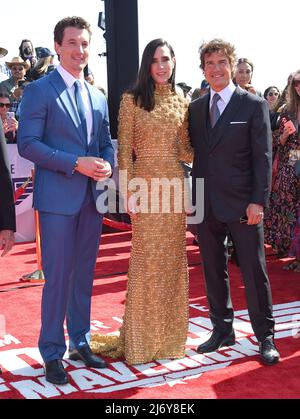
(249, 242)
(69, 250)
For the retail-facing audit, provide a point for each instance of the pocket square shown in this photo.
(238, 122)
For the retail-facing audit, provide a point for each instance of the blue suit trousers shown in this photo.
(69, 250)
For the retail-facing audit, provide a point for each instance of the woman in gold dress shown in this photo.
(153, 124)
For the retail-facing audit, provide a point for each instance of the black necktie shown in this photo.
(214, 110)
(80, 107)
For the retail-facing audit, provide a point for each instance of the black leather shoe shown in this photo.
(216, 341)
(86, 355)
(55, 372)
(268, 352)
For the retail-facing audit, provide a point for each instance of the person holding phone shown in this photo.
(281, 217)
(9, 122)
(231, 134)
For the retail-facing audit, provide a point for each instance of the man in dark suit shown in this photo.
(64, 130)
(7, 207)
(230, 132)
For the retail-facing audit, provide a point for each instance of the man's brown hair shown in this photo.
(67, 22)
(218, 45)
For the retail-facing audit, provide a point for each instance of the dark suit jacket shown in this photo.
(234, 157)
(7, 208)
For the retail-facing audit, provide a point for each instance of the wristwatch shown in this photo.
(75, 166)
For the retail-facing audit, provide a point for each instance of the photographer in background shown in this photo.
(27, 53)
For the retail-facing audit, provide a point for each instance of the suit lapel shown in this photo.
(231, 109)
(200, 114)
(59, 85)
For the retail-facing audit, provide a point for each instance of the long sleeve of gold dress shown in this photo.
(155, 322)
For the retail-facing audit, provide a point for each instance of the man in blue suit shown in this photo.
(64, 130)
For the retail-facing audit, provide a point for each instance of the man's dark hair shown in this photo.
(70, 22)
(247, 61)
(266, 92)
(4, 95)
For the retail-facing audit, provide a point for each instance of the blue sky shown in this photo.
(265, 32)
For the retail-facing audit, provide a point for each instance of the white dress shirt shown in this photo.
(70, 80)
(225, 95)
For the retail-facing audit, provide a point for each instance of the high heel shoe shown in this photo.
(290, 266)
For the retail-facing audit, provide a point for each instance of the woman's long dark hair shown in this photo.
(143, 90)
(293, 100)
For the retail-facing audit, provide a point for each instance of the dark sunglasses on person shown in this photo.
(7, 105)
(273, 94)
(296, 83)
(15, 68)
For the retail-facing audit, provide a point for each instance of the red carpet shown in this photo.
(232, 373)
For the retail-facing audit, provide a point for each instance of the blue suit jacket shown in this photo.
(50, 135)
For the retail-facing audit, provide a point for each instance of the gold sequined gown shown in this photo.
(156, 310)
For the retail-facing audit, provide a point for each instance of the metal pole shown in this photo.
(121, 23)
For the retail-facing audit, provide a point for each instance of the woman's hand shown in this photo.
(289, 129)
(12, 124)
(250, 89)
(132, 208)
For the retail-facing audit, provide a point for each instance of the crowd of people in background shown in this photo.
(282, 219)
(15, 74)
